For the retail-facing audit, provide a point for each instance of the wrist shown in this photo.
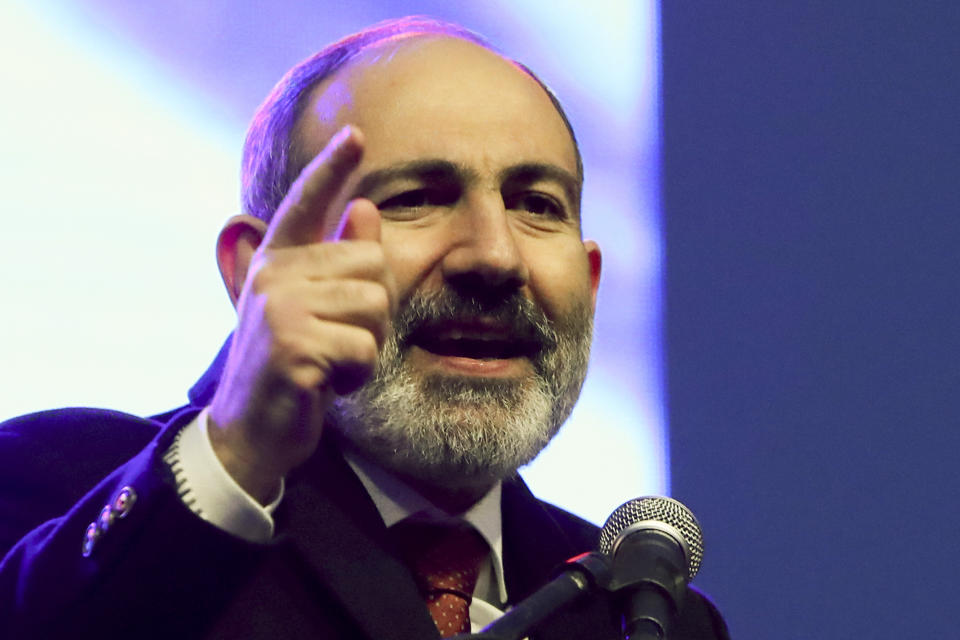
(245, 464)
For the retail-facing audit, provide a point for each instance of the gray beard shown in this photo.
(459, 431)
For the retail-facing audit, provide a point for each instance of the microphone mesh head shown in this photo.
(664, 511)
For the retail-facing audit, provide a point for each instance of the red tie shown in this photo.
(445, 560)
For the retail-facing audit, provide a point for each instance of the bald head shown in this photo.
(438, 98)
(275, 151)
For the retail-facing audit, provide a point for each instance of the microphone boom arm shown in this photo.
(581, 575)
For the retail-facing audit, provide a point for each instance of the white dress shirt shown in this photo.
(211, 492)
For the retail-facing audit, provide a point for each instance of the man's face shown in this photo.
(474, 174)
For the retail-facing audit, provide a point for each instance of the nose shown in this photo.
(485, 256)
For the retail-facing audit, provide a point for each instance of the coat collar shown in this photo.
(534, 543)
(332, 522)
(537, 540)
(328, 516)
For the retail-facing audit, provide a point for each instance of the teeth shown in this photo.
(467, 340)
(460, 334)
(470, 347)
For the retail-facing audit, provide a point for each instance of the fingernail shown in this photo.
(340, 136)
(338, 147)
(336, 142)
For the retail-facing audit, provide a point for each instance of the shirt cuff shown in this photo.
(210, 491)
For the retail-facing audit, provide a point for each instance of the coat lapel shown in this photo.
(537, 539)
(534, 544)
(337, 529)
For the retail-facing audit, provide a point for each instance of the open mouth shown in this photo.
(476, 340)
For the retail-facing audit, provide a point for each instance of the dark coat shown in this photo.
(163, 572)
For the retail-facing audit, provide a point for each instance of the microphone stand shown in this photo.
(648, 581)
(581, 575)
(646, 570)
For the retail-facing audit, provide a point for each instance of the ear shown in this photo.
(595, 263)
(236, 244)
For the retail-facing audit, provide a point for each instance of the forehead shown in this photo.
(438, 97)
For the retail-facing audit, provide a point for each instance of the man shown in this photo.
(414, 318)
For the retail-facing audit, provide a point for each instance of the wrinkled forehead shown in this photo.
(418, 94)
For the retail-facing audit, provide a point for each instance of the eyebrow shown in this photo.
(439, 170)
(530, 172)
(430, 169)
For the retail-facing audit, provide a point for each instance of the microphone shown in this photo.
(581, 575)
(655, 546)
(649, 549)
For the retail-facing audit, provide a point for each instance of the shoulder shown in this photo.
(523, 512)
(699, 618)
(583, 533)
(76, 434)
(52, 457)
(74, 419)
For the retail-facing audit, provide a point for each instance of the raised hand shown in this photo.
(312, 314)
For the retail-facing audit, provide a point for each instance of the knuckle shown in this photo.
(372, 295)
(307, 377)
(321, 252)
(259, 281)
(377, 257)
(262, 276)
(313, 183)
(368, 254)
(365, 350)
(372, 250)
(274, 310)
(380, 298)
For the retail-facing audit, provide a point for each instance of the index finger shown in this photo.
(300, 217)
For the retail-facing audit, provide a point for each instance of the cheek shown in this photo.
(559, 276)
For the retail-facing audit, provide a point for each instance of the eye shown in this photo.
(417, 198)
(536, 203)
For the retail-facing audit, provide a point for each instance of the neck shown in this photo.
(454, 494)
(452, 498)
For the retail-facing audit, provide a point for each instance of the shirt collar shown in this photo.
(396, 500)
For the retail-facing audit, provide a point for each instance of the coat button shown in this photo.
(124, 501)
(90, 537)
(106, 518)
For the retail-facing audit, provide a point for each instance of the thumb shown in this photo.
(360, 221)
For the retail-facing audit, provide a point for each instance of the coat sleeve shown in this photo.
(113, 551)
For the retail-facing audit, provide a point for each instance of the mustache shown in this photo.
(515, 313)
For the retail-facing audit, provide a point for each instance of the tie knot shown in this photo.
(444, 558)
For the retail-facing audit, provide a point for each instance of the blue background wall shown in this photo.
(811, 172)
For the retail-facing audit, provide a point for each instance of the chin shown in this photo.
(444, 427)
(427, 414)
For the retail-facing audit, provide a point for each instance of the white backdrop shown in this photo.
(122, 125)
